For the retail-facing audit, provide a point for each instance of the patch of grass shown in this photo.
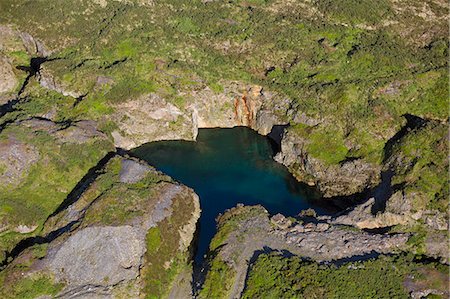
(424, 151)
(153, 239)
(327, 145)
(218, 281)
(31, 287)
(273, 276)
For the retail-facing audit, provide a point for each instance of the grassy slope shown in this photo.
(331, 70)
(337, 64)
(273, 276)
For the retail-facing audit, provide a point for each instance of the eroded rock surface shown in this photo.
(8, 81)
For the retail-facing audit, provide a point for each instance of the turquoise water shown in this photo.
(226, 167)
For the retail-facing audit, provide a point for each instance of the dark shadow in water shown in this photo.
(226, 167)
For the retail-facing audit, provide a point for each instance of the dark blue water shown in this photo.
(226, 167)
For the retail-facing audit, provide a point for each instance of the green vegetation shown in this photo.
(59, 166)
(163, 259)
(33, 287)
(15, 286)
(327, 146)
(345, 67)
(356, 11)
(273, 276)
(424, 151)
(219, 280)
(220, 277)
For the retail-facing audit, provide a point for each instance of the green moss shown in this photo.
(20, 57)
(417, 240)
(216, 87)
(327, 145)
(218, 281)
(32, 287)
(424, 150)
(273, 276)
(163, 258)
(153, 239)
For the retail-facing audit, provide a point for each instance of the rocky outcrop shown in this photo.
(132, 171)
(238, 105)
(248, 230)
(347, 178)
(361, 216)
(150, 118)
(99, 256)
(398, 213)
(8, 80)
(16, 158)
(112, 236)
(48, 80)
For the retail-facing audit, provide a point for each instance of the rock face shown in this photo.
(152, 118)
(132, 171)
(114, 236)
(99, 256)
(398, 213)
(347, 178)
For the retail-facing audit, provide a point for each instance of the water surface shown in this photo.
(226, 167)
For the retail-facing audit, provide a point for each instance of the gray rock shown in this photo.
(280, 221)
(80, 132)
(16, 158)
(99, 256)
(321, 227)
(132, 171)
